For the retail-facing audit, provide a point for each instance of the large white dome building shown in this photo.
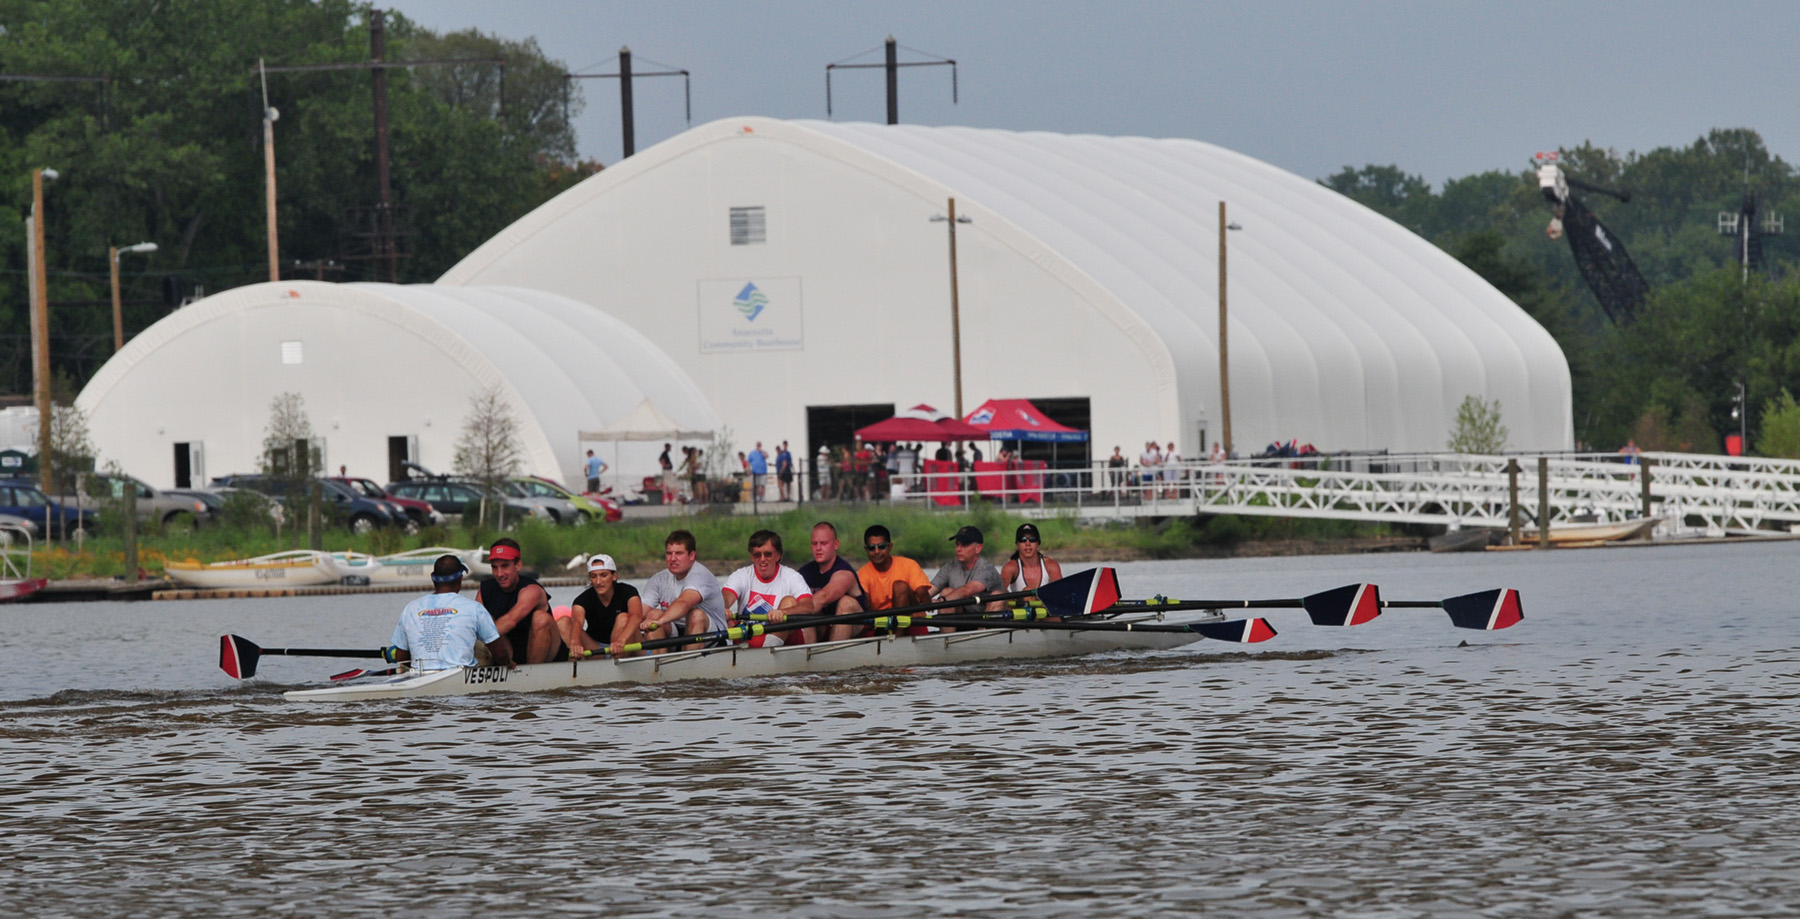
(792, 268)
(386, 371)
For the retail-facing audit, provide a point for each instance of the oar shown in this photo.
(1355, 604)
(238, 655)
(361, 672)
(1244, 631)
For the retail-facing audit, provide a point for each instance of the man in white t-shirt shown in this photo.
(767, 587)
(683, 597)
(439, 631)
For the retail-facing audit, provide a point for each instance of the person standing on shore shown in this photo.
(759, 470)
(594, 467)
(784, 472)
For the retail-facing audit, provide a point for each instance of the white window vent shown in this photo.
(749, 226)
(291, 353)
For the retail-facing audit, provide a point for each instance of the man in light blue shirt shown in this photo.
(440, 631)
(759, 469)
(595, 466)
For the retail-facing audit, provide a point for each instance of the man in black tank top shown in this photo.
(520, 607)
(836, 591)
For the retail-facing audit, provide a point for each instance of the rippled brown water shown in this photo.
(1629, 750)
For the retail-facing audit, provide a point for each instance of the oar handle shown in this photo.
(1152, 606)
(323, 652)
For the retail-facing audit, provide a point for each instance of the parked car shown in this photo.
(419, 513)
(35, 528)
(218, 498)
(556, 501)
(163, 508)
(22, 498)
(360, 513)
(457, 499)
(590, 508)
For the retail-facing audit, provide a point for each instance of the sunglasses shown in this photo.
(1028, 539)
(877, 546)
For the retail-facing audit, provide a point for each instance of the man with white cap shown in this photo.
(605, 616)
(442, 629)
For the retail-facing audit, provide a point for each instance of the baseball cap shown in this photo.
(601, 562)
(968, 536)
(1026, 529)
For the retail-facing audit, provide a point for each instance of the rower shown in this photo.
(968, 575)
(684, 597)
(836, 590)
(1029, 568)
(769, 588)
(891, 580)
(520, 606)
(606, 615)
(445, 629)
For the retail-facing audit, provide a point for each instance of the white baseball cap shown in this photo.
(600, 562)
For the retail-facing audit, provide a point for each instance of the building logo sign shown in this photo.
(751, 302)
(763, 314)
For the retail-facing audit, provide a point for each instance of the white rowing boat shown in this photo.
(413, 567)
(294, 568)
(739, 661)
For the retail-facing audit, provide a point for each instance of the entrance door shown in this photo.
(402, 449)
(835, 426)
(190, 465)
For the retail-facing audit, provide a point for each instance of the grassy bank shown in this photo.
(638, 544)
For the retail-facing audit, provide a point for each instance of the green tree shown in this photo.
(1780, 428)
(488, 450)
(1478, 428)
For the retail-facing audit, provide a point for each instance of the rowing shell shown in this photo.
(738, 661)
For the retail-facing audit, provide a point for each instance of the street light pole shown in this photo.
(955, 305)
(40, 325)
(270, 116)
(1224, 352)
(112, 258)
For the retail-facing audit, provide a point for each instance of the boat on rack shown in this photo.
(740, 661)
(16, 583)
(294, 568)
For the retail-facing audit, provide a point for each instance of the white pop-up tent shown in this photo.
(644, 423)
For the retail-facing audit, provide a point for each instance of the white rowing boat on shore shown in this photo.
(415, 567)
(294, 568)
(739, 661)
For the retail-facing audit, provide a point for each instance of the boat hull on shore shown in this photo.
(298, 568)
(739, 662)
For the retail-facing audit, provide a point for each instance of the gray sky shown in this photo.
(1444, 89)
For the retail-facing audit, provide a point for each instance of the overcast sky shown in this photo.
(1443, 89)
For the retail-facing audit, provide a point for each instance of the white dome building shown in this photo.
(387, 372)
(792, 270)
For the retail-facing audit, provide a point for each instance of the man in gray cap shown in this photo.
(969, 575)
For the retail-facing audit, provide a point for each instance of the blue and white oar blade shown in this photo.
(1486, 610)
(1243, 631)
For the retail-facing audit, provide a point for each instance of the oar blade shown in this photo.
(238, 656)
(1082, 593)
(1486, 610)
(1243, 631)
(1352, 604)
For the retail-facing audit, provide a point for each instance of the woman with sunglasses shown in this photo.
(1029, 568)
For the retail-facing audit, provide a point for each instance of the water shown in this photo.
(1629, 750)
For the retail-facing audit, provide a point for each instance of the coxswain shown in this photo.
(836, 590)
(445, 629)
(684, 597)
(520, 607)
(766, 587)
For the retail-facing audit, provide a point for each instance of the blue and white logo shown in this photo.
(751, 302)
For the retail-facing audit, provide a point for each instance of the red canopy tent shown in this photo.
(902, 427)
(1018, 419)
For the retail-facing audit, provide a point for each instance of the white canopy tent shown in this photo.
(645, 422)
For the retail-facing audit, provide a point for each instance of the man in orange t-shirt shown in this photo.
(890, 580)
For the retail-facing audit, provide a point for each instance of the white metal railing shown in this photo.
(1710, 493)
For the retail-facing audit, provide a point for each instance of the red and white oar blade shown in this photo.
(238, 656)
(1486, 611)
(1352, 604)
(1082, 593)
(1243, 631)
(362, 672)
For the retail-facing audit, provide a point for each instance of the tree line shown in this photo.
(1670, 379)
(169, 149)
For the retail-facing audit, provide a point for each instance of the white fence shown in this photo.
(1688, 492)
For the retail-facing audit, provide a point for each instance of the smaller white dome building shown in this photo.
(387, 372)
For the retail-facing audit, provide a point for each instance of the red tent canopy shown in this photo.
(1018, 419)
(901, 427)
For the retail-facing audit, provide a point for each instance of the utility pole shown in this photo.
(40, 329)
(1224, 352)
(955, 305)
(269, 116)
(627, 105)
(891, 64)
